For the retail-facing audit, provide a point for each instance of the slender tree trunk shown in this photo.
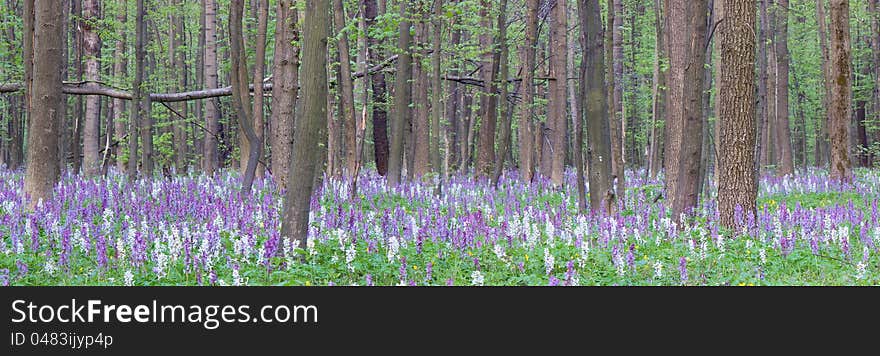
(421, 126)
(453, 99)
(212, 117)
(692, 123)
(377, 81)
(436, 87)
(822, 139)
(91, 52)
(503, 72)
(762, 78)
(841, 94)
(402, 95)
(305, 157)
(488, 101)
(178, 57)
(284, 92)
(259, 73)
(737, 184)
(526, 110)
(783, 128)
(616, 87)
(119, 72)
(42, 161)
(595, 107)
(874, 10)
(240, 95)
(556, 114)
(346, 86)
(661, 59)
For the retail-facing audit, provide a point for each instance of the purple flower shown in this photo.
(450, 282)
(4, 277)
(553, 281)
(22, 268)
(682, 269)
(369, 280)
(429, 271)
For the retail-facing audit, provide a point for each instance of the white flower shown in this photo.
(499, 252)
(477, 278)
(763, 256)
(129, 278)
(310, 246)
(658, 269)
(393, 248)
(350, 253)
(549, 260)
(860, 270)
(49, 267)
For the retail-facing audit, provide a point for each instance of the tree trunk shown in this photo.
(658, 107)
(377, 81)
(556, 113)
(503, 72)
(783, 129)
(295, 223)
(841, 94)
(437, 87)
(874, 10)
(346, 89)
(822, 139)
(212, 117)
(615, 84)
(284, 94)
(178, 57)
(421, 126)
(402, 95)
(737, 186)
(692, 123)
(761, 101)
(91, 52)
(240, 96)
(259, 73)
(595, 107)
(119, 72)
(42, 154)
(526, 110)
(488, 101)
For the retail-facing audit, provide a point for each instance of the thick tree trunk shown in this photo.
(259, 72)
(503, 71)
(42, 154)
(737, 188)
(402, 96)
(212, 117)
(28, 48)
(841, 94)
(783, 127)
(284, 93)
(595, 107)
(526, 110)
(305, 158)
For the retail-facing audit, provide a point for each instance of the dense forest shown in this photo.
(590, 98)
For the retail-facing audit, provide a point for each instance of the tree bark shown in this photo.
(503, 69)
(211, 159)
(488, 101)
(402, 96)
(259, 72)
(526, 110)
(737, 186)
(42, 154)
(616, 87)
(91, 52)
(436, 87)
(119, 72)
(420, 126)
(377, 81)
(822, 139)
(556, 113)
(841, 94)
(240, 97)
(783, 127)
(284, 93)
(595, 107)
(346, 86)
(692, 122)
(658, 107)
(306, 155)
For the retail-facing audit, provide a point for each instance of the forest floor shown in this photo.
(196, 230)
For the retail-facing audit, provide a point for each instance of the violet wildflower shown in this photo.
(4, 277)
(450, 282)
(682, 270)
(369, 280)
(22, 268)
(429, 271)
(553, 281)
